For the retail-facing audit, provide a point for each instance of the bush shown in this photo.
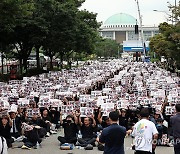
(35, 71)
(4, 77)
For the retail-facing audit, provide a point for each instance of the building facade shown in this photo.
(121, 27)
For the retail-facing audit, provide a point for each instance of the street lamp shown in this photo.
(165, 13)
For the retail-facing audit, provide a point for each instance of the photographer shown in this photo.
(70, 129)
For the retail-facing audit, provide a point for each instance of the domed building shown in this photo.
(121, 27)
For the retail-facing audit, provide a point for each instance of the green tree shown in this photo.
(107, 48)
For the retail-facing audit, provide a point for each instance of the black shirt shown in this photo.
(123, 121)
(104, 124)
(113, 137)
(70, 130)
(5, 131)
(87, 132)
(175, 123)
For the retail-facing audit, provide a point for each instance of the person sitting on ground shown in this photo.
(32, 136)
(37, 121)
(16, 125)
(87, 129)
(104, 121)
(5, 127)
(70, 129)
(55, 116)
(46, 118)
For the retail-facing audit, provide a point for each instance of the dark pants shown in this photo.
(177, 148)
(42, 132)
(86, 141)
(28, 143)
(145, 152)
(9, 142)
(48, 127)
(67, 140)
(15, 135)
(32, 138)
(142, 152)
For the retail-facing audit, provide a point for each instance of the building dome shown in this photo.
(120, 19)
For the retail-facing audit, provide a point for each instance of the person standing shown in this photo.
(113, 136)
(175, 123)
(145, 134)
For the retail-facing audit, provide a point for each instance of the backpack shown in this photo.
(66, 146)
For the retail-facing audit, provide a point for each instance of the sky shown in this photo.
(107, 8)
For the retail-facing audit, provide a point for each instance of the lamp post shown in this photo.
(175, 11)
(163, 12)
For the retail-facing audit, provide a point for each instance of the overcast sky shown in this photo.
(106, 8)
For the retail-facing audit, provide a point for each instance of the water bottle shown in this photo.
(37, 145)
(79, 134)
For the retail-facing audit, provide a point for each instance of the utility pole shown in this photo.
(175, 11)
(142, 36)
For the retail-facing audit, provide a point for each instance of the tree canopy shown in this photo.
(59, 27)
(167, 43)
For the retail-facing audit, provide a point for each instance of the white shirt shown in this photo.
(13, 125)
(143, 132)
(4, 146)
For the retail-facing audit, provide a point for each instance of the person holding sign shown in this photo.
(5, 127)
(87, 128)
(70, 129)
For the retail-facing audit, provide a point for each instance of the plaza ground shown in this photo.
(50, 145)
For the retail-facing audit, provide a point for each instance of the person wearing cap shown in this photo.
(175, 123)
(5, 127)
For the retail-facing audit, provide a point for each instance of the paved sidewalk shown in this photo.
(51, 146)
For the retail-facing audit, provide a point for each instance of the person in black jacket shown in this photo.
(123, 119)
(70, 129)
(88, 131)
(37, 121)
(16, 125)
(5, 127)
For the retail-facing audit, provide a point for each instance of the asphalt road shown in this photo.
(50, 145)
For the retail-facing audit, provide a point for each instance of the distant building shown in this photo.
(121, 27)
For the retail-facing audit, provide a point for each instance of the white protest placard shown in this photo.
(33, 112)
(13, 108)
(86, 111)
(22, 102)
(107, 108)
